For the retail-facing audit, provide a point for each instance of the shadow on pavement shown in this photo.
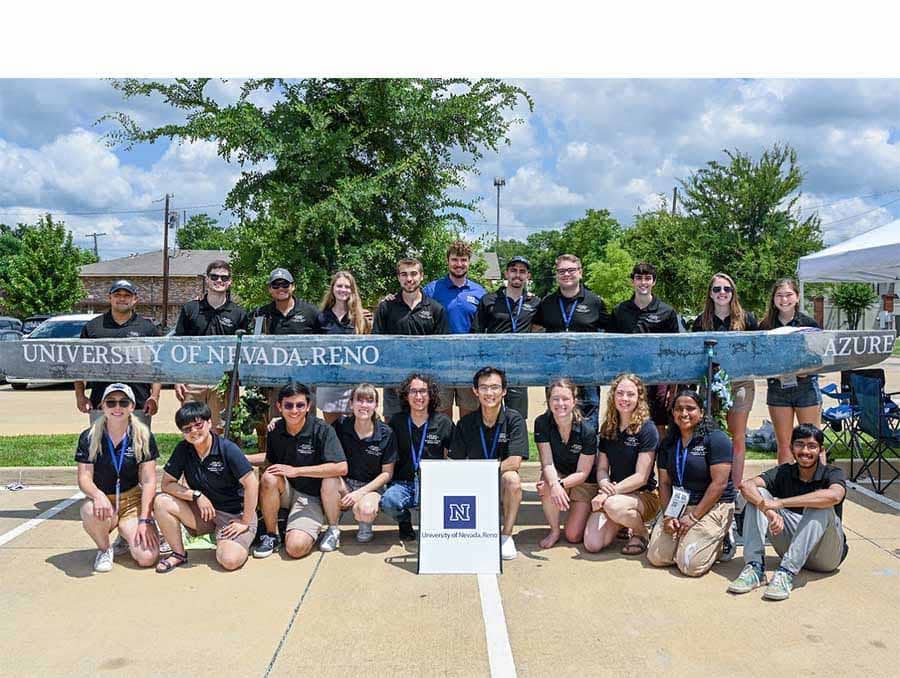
(39, 507)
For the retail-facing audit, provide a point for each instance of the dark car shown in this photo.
(10, 323)
(8, 335)
(33, 321)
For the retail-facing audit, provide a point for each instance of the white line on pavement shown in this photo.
(874, 495)
(499, 651)
(7, 537)
(39, 488)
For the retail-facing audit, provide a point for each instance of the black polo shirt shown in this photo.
(784, 481)
(217, 476)
(720, 325)
(703, 452)
(512, 437)
(589, 315)
(366, 456)
(582, 441)
(623, 450)
(494, 316)
(199, 319)
(799, 320)
(393, 316)
(301, 319)
(327, 323)
(104, 467)
(657, 317)
(439, 438)
(316, 443)
(105, 327)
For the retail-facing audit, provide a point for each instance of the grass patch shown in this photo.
(59, 450)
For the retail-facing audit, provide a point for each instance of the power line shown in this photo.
(856, 216)
(852, 197)
(104, 212)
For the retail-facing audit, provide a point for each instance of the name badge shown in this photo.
(790, 381)
(678, 503)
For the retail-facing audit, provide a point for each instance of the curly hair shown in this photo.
(565, 382)
(434, 397)
(609, 429)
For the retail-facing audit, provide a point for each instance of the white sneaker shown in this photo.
(120, 546)
(103, 561)
(331, 540)
(507, 547)
(365, 534)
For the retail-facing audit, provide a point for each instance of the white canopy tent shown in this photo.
(871, 257)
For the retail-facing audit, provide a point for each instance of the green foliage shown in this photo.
(508, 248)
(610, 276)
(250, 410)
(43, 276)
(338, 173)
(86, 257)
(201, 232)
(853, 299)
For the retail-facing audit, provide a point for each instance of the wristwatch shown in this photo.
(146, 521)
(197, 494)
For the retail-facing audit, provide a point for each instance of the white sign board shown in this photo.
(459, 529)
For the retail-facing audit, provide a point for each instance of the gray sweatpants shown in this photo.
(813, 539)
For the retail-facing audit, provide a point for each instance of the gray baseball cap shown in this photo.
(280, 274)
(122, 285)
(519, 260)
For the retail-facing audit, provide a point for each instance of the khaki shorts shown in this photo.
(206, 394)
(464, 397)
(305, 511)
(129, 503)
(217, 524)
(742, 394)
(580, 493)
(650, 503)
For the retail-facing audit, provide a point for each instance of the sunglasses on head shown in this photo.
(722, 288)
(224, 277)
(293, 406)
(195, 426)
(280, 285)
(121, 402)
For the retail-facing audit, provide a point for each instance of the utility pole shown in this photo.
(499, 182)
(165, 253)
(674, 199)
(95, 236)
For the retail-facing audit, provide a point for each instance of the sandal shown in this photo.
(166, 565)
(632, 549)
(623, 533)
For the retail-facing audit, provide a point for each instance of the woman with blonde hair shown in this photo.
(117, 473)
(567, 444)
(342, 313)
(626, 450)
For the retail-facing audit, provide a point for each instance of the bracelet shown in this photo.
(146, 521)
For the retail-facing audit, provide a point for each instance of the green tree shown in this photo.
(610, 276)
(43, 277)
(853, 299)
(747, 220)
(337, 173)
(201, 232)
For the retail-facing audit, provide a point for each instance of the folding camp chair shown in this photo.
(839, 419)
(876, 431)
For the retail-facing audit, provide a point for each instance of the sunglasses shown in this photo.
(122, 402)
(191, 428)
(280, 285)
(215, 277)
(293, 406)
(720, 288)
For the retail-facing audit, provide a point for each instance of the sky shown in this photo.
(616, 144)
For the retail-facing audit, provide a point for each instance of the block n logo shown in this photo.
(459, 513)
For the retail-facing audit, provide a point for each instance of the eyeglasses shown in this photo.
(122, 402)
(567, 271)
(722, 288)
(418, 391)
(813, 446)
(490, 388)
(191, 428)
(215, 277)
(280, 285)
(293, 406)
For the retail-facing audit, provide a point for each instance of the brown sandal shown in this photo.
(166, 564)
(632, 549)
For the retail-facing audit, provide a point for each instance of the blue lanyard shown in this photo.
(484, 449)
(680, 463)
(417, 454)
(567, 317)
(117, 463)
(514, 318)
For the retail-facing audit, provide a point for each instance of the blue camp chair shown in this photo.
(839, 420)
(879, 419)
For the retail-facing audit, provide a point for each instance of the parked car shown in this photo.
(10, 323)
(32, 321)
(58, 327)
(8, 335)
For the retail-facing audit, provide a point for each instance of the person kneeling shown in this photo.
(371, 450)
(306, 462)
(800, 506)
(117, 473)
(220, 495)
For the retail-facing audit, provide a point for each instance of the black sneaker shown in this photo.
(268, 544)
(407, 533)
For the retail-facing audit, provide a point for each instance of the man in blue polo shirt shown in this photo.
(460, 297)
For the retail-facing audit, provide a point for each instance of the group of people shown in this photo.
(654, 449)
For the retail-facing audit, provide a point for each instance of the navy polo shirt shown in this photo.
(461, 302)
(586, 311)
(366, 456)
(217, 476)
(496, 312)
(582, 441)
(301, 319)
(393, 316)
(784, 481)
(104, 468)
(724, 325)
(703, 452)
(512, 438)
(623, 450)
(316, 443)
(328, 323)
(439, 437)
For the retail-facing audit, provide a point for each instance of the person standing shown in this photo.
(574, 308)
(459, 296)
(411, 313)
(119, 322)
(510, 310)
(213, 315)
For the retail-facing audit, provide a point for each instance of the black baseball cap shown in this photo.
(122, 285)
(519, 260)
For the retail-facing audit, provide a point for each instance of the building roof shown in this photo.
(185, 263)
(492, 272)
